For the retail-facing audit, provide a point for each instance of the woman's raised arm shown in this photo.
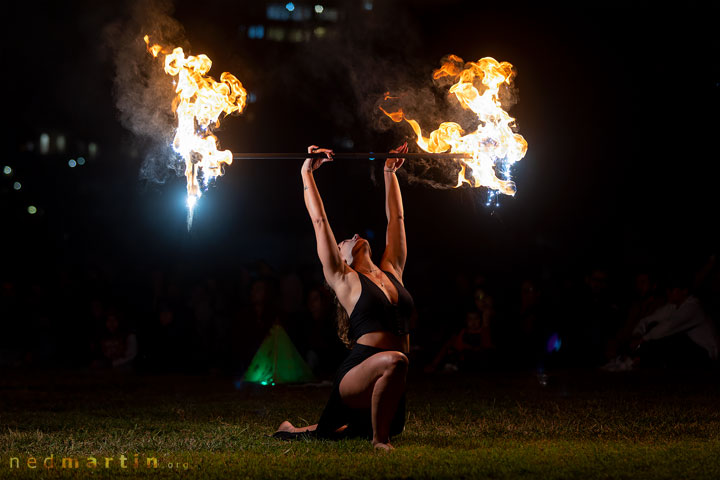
(395, 246)
(334, 268)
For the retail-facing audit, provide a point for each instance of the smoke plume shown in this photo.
(143, 92)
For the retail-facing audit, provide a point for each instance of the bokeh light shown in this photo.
(554, 343)
(32, 210)
(17, 186)
(7, 170)
(72, 163)
(44, 143)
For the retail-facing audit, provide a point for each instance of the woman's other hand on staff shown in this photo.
(312, 164)
(392, 164)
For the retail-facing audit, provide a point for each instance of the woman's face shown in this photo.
(352, 247)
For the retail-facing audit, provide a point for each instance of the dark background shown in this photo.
(618, 104)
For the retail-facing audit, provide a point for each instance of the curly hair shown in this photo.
(343, 321)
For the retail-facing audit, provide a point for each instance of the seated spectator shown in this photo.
(679, 334)
(646, 300)
(14, 336)
(469, 348)
(527, 328)
(167, 349)
(590, 322)
(323, 349)
(115, 347)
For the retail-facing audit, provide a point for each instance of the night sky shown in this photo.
(618, 105)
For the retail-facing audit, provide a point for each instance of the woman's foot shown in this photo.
(286, 427)
(383, 446)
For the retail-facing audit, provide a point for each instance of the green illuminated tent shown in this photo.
(278, 361)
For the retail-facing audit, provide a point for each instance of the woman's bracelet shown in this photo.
(391, 170)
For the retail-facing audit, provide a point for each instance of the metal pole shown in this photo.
(350, 155)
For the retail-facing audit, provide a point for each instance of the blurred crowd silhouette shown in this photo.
(176, 320)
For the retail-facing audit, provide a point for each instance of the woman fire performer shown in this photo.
(368, 396)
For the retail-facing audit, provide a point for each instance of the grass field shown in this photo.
(582, 425)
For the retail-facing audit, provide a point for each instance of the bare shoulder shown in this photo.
(389, 267)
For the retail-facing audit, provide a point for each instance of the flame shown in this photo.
(200, 102)
(494, 146)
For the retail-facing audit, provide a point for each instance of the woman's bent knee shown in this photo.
(396, 362)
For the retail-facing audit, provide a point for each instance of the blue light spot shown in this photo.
(554, 343)
(290, 6)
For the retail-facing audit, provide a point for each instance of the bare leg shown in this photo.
(378, 383)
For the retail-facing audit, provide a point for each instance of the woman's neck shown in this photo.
(364, 264)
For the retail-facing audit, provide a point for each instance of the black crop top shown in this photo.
(373, 311)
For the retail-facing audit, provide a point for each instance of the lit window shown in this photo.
(298, 36)
(276, 33)
(276, 11)
(44, 143)
(256, 31)
(301, 13)
(330, 14)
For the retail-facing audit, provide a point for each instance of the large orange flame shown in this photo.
(199, 104)
(494, 146)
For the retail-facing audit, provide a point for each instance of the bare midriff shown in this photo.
(386, 340)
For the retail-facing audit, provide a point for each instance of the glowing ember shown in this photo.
(494, 146)
(199, 104)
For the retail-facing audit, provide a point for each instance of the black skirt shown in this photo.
(336, 413)
(358, 420)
